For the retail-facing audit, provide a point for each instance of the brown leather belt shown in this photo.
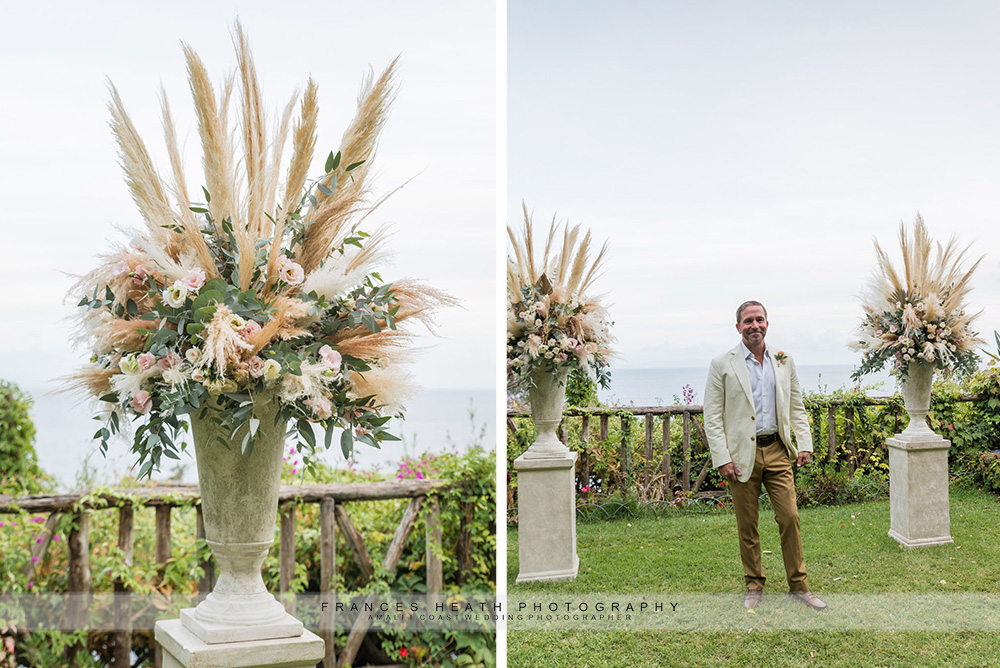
(767, 439)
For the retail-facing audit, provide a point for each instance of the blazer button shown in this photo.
(753, 438)
(753, 417)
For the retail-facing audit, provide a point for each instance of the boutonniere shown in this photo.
(780, 357)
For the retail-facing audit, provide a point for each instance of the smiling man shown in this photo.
(752, 404)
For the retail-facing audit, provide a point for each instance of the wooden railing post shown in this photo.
(583, 463)
(435, 567)
(79, 578)
(123, 605)
(832, 432)
(665, 466)
(649, 449)
(625, 451)
(686, 480)
(327, 572)
(162, 534)
(849, 437)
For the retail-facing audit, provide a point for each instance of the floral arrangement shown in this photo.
(918, 315)
(552, 324)
(261, 293)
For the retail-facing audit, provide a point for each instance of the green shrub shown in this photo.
(19, 470)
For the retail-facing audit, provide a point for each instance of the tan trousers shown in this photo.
(772, 468)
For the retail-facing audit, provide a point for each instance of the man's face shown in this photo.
(752, 326)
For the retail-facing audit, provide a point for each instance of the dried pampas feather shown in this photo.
(567, 270)
(358, 144)
(220, 179)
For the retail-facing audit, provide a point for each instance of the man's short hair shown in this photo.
(739, 311)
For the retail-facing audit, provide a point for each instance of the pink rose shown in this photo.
(168, 361)
(121, 269)
(194, 279)
(331, 358)
(321, 407)
(249, 330)
(141, 402)
(290, 272)
(255, 365)
(139, 274)
(147, 361)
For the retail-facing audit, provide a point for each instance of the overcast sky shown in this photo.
(752, 150)
(62, 189)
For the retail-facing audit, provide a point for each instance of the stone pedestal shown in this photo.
(546, 511)
(183, 649)
(918, 489)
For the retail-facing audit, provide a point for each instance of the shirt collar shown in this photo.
(747, 353)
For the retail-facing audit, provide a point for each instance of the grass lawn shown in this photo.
(847, 552)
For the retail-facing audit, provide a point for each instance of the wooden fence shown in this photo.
(662, 467)
(332, 499)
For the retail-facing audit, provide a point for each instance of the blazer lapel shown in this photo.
(740, 368)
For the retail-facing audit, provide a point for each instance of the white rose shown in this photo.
(175, 295)
(129, 365)
(198, 376)
(193, 355)
(271, 370)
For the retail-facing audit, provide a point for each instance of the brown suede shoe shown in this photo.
(752, 598)
(810, 599)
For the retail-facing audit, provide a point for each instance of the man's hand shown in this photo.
(803, 458)
(729, 471)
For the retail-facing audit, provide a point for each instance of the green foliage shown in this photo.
(19, 470)
(580, 389)
(986, 470)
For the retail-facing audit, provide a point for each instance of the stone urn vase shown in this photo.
(916, 389)
(547, 396)
(239, 501)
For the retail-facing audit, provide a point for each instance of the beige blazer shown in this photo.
(730, 418)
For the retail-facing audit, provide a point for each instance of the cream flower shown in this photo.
(129, 365)
(175, 295)
(272, 369)
(290, 272)
(236, 322)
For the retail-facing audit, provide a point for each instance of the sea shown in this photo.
(666, 386)
(437, 420)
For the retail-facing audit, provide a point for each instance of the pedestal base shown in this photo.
(546, 510)
(183, 649)
(213, 633)
(918, 490)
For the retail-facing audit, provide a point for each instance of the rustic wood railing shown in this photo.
(660, 465)
(332, 500)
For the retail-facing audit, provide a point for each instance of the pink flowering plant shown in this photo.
(552, 323)
(918, 315)
(261, 293)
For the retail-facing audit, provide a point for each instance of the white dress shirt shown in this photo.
(762, 387)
